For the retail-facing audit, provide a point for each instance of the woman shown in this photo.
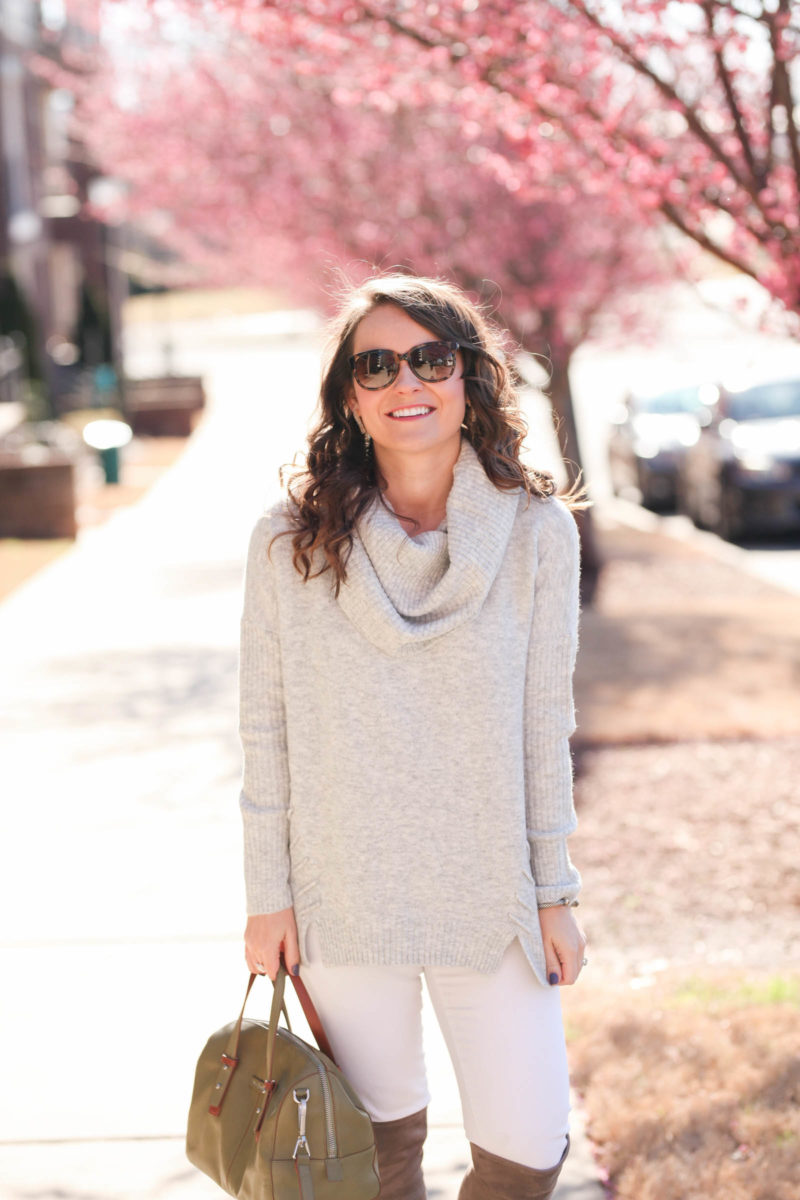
(408, 641)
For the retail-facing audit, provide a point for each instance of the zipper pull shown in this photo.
(301, 1100)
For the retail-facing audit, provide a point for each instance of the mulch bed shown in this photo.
(687, 760)
(679, 646)
(689, 853)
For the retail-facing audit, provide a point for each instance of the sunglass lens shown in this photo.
(375, 368)
(433, 362)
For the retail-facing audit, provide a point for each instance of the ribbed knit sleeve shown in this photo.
(264, 798)
(549, 718)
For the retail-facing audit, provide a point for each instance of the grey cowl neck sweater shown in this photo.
(402, 591)
(405, 827)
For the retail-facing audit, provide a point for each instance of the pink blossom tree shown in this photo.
(688, 110)
(260, 171)
(264, 175)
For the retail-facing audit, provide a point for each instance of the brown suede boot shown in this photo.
(399, 1145)
(493, 1178)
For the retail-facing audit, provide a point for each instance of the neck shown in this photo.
(417, 485)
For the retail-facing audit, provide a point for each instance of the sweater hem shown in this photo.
(442, 945)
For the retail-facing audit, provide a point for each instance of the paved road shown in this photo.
(121, 894)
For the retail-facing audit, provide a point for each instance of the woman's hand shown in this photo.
(264, 938)
(564, 943)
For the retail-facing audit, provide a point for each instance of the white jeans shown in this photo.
(503, 1031)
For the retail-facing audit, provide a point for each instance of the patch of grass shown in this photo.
(711, 994)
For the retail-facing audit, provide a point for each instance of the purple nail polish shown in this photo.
(296, 969)
(553, 977)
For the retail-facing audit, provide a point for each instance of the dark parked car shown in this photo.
(649, 437)
(743, 473)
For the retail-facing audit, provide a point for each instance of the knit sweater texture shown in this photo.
(407, 781)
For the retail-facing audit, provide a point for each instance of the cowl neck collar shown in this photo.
(401, 592)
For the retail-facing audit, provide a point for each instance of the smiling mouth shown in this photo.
(406, 414)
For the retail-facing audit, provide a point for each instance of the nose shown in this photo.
(406, 380)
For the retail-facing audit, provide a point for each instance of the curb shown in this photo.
(582, 1176)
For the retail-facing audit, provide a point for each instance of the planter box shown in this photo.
(164, 407)
(37, 494)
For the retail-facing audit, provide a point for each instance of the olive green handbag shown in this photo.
(273, 1118)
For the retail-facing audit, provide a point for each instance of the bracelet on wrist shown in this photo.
(563, 902)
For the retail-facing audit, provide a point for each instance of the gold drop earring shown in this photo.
(360, 424)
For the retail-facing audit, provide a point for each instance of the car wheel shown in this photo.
(613, 480)
(646, 497)
(696, 507)
(730, 523)
(682, 502)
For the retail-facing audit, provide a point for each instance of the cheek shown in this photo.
(361, 397)
(366, 401)
(455, 393)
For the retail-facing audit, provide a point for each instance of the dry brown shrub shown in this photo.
(691, 1095)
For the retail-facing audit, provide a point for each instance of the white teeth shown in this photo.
(410, 412)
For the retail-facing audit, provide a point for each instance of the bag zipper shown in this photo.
(325, 1083)
(327, 1099)
(301, 1100)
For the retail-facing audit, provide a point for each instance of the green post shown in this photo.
(110, 460)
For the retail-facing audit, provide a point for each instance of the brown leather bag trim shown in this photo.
(269, 1088)
(224, 1078)
(312, 1016)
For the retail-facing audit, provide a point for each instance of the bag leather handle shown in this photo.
(312, 1016)
(278, 1006)
(229, 1060)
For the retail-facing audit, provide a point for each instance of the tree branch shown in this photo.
(773, 101)
(703, 240)
(758, 172)
(782, 87)
(668, 91)
(625, 140)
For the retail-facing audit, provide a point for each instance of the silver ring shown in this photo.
(585, 961)
(261, 965)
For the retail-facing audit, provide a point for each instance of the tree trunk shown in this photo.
(560, 394)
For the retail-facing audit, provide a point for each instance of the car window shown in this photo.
(766, 400)
(683, 400)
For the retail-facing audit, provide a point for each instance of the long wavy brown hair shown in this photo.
(341, 477)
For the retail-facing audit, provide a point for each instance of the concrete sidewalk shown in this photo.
(121, 888)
